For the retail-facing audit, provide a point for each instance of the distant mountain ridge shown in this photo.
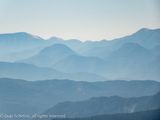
(148, 38)
(135, 56)
(32, 73)
(20, 39)
(48, 56)
(81, 79)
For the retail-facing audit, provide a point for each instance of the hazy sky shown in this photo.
(81, 19)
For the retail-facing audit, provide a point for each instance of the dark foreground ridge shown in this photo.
(145, 115)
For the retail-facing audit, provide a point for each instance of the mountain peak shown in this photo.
(130, 45)
(60, 48)
(144, 30)
(129, 48)
(54, 38)
(19, 36)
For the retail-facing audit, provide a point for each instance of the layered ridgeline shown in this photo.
(105, 105)
(132, 57)
(29, 97)
(31, 72)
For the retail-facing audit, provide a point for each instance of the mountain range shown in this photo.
(105, 105)
(20, 96)
(31, 72)
(135, 56)
(92, 80)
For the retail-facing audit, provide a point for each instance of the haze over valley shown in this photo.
(81, 80)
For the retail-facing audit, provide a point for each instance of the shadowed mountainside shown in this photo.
(106, 105)
(145, 115)
(38, 96)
